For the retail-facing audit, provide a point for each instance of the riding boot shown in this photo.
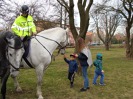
(26, 41)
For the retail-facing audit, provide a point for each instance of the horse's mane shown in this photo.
(52, 30)
(18, 42)
(3, 45)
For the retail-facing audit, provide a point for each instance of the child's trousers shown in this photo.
(98, 73)
(71, 77)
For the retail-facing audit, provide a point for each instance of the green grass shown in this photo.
(118, 79)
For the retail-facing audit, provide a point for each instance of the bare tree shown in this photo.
(128, 15)
(125, 8)
(10, 9)
(8, 12)
(107, 23)
(60, 14)
(38, 10)
(84, 8)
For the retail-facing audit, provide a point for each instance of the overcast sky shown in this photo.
(77, 20)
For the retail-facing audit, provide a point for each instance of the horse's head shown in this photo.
(14, 51)
(63, 43)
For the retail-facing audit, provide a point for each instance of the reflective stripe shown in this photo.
(20, 28)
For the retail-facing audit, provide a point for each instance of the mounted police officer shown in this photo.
(23, 25)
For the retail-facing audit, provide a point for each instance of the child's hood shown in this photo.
(99, 56)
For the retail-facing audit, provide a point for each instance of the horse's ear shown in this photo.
(5, 39)
(8, 39)
(67, 30)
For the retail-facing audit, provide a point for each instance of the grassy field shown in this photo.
(118, 79)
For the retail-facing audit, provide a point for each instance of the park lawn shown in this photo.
(118, 79)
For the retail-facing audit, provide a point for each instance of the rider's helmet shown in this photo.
(24, 9)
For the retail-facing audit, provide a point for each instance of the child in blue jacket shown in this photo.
(98, 71)
(73, 66)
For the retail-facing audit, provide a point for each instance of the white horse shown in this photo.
(40, 55)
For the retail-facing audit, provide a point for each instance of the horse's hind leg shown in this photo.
(3, 86)
(39, 72)
(16, 83)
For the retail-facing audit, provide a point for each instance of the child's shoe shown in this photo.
(82, 89)
(94, 83)
(88, 87)
(71, 86)
(102, 84)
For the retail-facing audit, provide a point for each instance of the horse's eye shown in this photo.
(10, 55)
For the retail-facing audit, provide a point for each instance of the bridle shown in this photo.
(16, 69)
(66, 40)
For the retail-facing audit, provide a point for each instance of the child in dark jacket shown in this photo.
(98, 71)
(73, 66)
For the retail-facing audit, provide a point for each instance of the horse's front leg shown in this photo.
(14, 75)
(39, 72)
(3, 85)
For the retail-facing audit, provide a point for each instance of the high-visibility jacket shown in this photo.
(23, 26)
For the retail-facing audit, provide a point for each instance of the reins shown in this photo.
(44, 46)
(51, 40)
(62, 47)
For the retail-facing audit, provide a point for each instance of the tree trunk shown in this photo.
(129, 44)
(61, 17)
(107, 46)
(131, 49)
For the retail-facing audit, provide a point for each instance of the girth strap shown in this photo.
(28, 63)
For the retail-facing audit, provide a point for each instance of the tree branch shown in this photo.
(89, 6)
(123, 3)
(84, 3)
(64, 4)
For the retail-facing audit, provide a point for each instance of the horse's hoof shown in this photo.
(19, 90)
(40, 97)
